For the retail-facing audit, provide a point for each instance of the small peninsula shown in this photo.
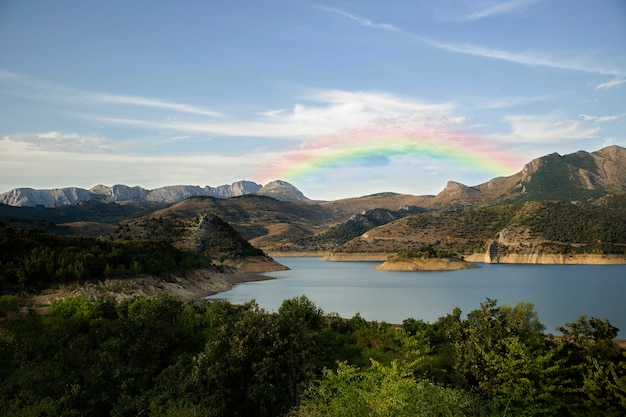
(424, 264)
(426, 258)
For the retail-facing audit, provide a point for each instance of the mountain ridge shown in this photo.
(579, 175)
(30, 197)
(355, 225)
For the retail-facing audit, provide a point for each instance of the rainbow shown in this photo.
(358, 146)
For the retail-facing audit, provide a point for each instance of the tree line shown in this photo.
(31, 259)
(164, 357)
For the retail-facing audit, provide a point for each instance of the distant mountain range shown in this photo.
(578, 176)
(29, 197)
(526, 213)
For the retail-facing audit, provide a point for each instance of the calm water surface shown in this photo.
(560, 293)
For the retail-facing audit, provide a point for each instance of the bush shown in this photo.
(9, 304)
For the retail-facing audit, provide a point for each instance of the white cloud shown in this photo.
(62, 142)
(545, 130)
(317, 112)
(586, 117)
(381, 103)
(601, 119)
(271, 113)
(27, 166)
(611, 84)
(321, 112)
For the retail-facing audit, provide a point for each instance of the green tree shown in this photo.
(595, 366)
(379, 390)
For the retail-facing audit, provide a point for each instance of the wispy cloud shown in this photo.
(611, 84)
(507, 102)
(44, 90)
(154, 103)
(532, 58)
(362, 20)
(320, 112)
(602, 119)
(497, 9)
(315, 112)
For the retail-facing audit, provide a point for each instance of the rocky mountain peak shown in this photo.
(456, 188)
(536, 164)
(456, 195)
(282, 190)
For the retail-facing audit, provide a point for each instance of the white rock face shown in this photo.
(48, 198)
(119, 192)
(235, 189)
(282, 190)
(30, 197)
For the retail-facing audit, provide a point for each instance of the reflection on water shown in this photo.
(560, 293)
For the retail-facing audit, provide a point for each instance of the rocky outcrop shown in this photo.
(457, 195)
(492, 256)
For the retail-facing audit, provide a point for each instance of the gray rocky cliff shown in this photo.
(29, 197)
(48, 198)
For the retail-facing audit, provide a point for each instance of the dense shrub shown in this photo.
(164, 357)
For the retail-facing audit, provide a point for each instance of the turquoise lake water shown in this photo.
(560, 293)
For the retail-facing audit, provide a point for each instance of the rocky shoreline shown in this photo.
(192, 286)
(515, 258)
(548, 259)
(188, 286)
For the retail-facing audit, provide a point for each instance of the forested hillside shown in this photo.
(548, 226)
(163, 357)
(31, 260)
(355, 226)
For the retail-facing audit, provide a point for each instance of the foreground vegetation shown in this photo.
(164, 357)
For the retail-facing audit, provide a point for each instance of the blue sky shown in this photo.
(340, 98)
